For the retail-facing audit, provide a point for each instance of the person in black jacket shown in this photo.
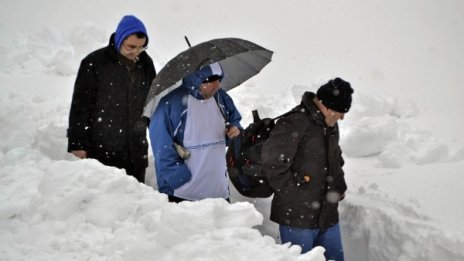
(105, 119)
(303, 163)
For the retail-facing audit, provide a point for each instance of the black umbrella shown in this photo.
(239, 59)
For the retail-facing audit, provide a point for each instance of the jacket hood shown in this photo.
(307, 102)
(195, 92)
(128, 25)
(193, 81)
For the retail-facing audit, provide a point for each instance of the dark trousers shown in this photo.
(177, 199)
(136, 172)
(139, 174)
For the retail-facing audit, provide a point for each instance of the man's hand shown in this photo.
(232, 132)
(81, 154)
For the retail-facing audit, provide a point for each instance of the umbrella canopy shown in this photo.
(239, 59)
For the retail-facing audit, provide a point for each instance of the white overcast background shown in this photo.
(402, 140)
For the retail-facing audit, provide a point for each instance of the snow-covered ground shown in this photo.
(402, 141)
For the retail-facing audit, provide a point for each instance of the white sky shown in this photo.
(402, 140)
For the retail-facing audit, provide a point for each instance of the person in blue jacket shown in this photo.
(189, 130)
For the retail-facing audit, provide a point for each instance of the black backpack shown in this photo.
(244, 158)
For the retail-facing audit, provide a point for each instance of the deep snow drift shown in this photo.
(402, 140)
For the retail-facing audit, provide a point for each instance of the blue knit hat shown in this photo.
(128, 25)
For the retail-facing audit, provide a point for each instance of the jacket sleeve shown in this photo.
(151, 71)
(171, 170)
(232, 114)
(279, 151)
(83, 98)
(341, 185)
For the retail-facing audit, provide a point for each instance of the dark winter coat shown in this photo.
(106, 111)
(301, 145)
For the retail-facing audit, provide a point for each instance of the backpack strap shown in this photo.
(256, 117)
(223, 113)
(287, 113)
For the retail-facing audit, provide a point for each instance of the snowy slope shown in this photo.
(402, 140)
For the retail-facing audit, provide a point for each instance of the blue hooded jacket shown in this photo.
(167, 126)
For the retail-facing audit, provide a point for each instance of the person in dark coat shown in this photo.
(303, 163)
(105, 119)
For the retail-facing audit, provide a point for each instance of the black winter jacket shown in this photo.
(106, 112)
(301, 145)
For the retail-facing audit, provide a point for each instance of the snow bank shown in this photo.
(404, 153)
(81, 210)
